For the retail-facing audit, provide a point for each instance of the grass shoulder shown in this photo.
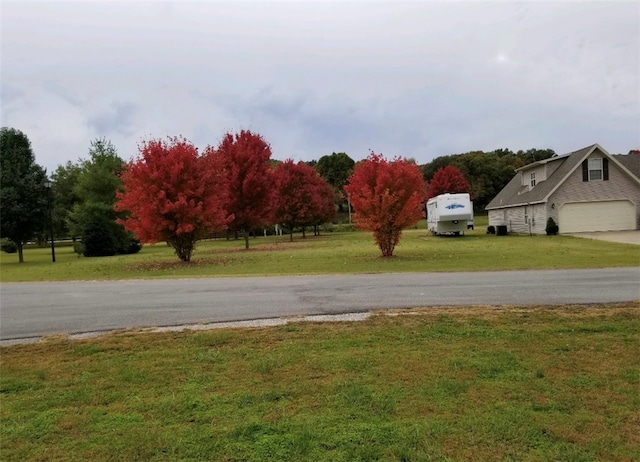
(502, 383)
(330, 253)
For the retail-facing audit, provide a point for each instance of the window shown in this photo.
(595, 169)
(533, 179)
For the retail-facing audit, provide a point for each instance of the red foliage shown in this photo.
(302, 196)
(245, 157)
(172, 194)
(325, 209)
(386, 196)
(448, 180)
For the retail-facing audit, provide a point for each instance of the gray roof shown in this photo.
(631, 161)
(514, 194)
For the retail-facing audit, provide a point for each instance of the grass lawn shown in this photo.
(345, 252)
(449, 384)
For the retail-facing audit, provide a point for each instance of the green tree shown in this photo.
(336, 169)
(534, 155)
(96, 187)
(65, 197)
(22, 190)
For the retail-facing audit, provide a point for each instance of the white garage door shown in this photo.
(580, 217)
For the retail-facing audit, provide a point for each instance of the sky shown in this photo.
(417, 79)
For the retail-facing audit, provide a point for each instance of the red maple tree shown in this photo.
(324, 210)
(386, 196)
(172, 194)
(245, 157)
(301, 196)
(447, 180)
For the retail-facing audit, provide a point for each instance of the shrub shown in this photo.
(102, 237)
(133, 246)
(8, 246)
(552, 227)
(98, 239)
(78, 248)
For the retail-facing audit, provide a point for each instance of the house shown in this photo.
(583, 191)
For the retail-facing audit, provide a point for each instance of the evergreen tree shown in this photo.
(23, 195)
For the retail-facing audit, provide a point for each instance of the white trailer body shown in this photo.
(449, 213)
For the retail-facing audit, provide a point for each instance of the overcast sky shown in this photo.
(418, 79)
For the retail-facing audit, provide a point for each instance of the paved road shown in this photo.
(36, 309)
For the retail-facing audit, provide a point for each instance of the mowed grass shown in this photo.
(344, 252)
(449, 384)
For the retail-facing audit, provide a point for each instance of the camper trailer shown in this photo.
(449, 214)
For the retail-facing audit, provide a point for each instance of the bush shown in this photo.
(78, 248)
(552, 227)
(98, 239)
(8, 246)
(104, 238)
(133, 246)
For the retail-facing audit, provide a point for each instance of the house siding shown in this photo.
(540, 172)
(618, 187)
(514, 218)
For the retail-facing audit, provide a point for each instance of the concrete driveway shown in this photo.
(624, 237)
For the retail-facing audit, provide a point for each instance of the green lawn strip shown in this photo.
(451, 384)
(331, 253)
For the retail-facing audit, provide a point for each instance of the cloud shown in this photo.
(421, 79)
(118, 119)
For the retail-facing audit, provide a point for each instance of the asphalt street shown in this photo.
(36, 309)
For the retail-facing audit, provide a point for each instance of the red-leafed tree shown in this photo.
(324, 210)
(386, 196)
(173, 194)
(246, 159)
(447, 180)
(301, 196)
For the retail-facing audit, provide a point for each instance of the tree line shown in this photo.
(173, 193)
(486, 172)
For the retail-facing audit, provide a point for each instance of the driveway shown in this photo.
(624, 237)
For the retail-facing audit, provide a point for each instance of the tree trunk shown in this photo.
(304, 235)
(246, 239)
(20, 254)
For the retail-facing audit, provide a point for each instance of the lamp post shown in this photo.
(47, 184)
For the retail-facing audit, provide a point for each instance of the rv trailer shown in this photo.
(449, 214)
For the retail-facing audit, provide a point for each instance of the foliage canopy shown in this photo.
(447, 180)
(303, 198)
(245, 159)
(173, 194)
(22, 190)
(386, 196)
